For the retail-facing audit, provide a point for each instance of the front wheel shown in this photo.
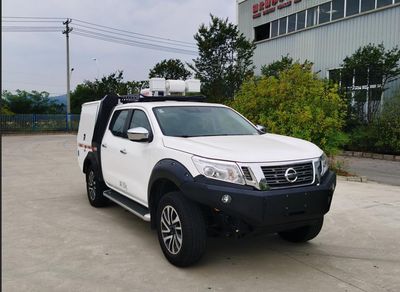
(303, 234)
(181, 229)
(95, 189)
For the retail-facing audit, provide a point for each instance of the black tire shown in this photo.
(95, 189)
(192, 231)
(303, 234)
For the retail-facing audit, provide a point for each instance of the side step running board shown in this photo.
(130, 205)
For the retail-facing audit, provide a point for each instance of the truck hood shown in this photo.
(257, 148)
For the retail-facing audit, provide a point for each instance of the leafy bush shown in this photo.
(388, 127)
(296, 103)
(383, 134)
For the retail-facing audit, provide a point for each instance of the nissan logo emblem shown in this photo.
(291, 175)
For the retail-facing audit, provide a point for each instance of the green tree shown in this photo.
(4, 107)
(371, 65)
(297, 104)
(225, 58)
(95, 90)
(285, 63)
(170, 69)
(33, 102)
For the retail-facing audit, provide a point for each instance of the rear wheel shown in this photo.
(303, 234)
(181, 229)
(95, 189)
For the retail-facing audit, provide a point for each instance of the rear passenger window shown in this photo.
(139, 119)
(117, 126)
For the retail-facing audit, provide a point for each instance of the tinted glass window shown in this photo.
(397, 1)
(282, 26)
(367, 5)
(381, 3)
(301, 20)
(117, 125)
(375, 75)
(292, 23)
(347, 78)
(337, 9)
(352, 7)
(311, 16)
(325, 12)
(261, 32)
(361, 77)
(375, 93)
(334, 75)
(274, 29)
(139, 119)
(191, 121)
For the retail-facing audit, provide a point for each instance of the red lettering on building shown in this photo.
(286, 4)
(269, 10)
(268, 6)
(255, 8)
(257, 15)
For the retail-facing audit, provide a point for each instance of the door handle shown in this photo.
(123, 151)
(104, 145)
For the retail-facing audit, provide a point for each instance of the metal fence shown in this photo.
(38, 123)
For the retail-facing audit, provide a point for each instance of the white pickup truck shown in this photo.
(192, 169)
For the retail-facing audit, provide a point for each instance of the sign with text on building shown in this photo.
(269, 6)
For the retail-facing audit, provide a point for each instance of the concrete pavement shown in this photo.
(382, 171)
(53, 240)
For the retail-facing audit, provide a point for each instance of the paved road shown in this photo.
(382, 171)
(54, 241)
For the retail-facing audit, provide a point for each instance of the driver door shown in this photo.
(136, 161)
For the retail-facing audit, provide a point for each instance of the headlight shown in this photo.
(220, 170)
(323, 164)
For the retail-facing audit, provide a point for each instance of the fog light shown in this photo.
(226, 199)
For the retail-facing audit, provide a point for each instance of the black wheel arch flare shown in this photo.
(167, 175)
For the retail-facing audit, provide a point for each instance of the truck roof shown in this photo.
(150, 105)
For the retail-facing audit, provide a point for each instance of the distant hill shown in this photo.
(60, 99)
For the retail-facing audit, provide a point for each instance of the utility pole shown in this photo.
(66, 32)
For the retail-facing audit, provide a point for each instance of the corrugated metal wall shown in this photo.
(326, 45)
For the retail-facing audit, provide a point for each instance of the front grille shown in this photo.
(275, 175)
(247, 173)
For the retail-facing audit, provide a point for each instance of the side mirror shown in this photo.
(261, 129)
(138, 134)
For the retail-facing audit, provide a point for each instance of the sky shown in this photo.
(37, 60)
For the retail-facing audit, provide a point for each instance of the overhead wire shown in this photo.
(100, 32)
(135, 37)
(33, 17)
(99, 27)
(31, 29)
(129, 40)
(134, 33)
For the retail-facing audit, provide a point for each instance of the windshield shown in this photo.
(196, 121)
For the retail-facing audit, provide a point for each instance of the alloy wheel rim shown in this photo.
(92, 186)
(171, 229)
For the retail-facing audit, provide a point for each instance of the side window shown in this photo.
(139, 119)
(117, 126)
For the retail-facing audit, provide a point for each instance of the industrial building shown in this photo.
(323, 32)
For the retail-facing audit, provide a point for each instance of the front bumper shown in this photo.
(265, 208)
